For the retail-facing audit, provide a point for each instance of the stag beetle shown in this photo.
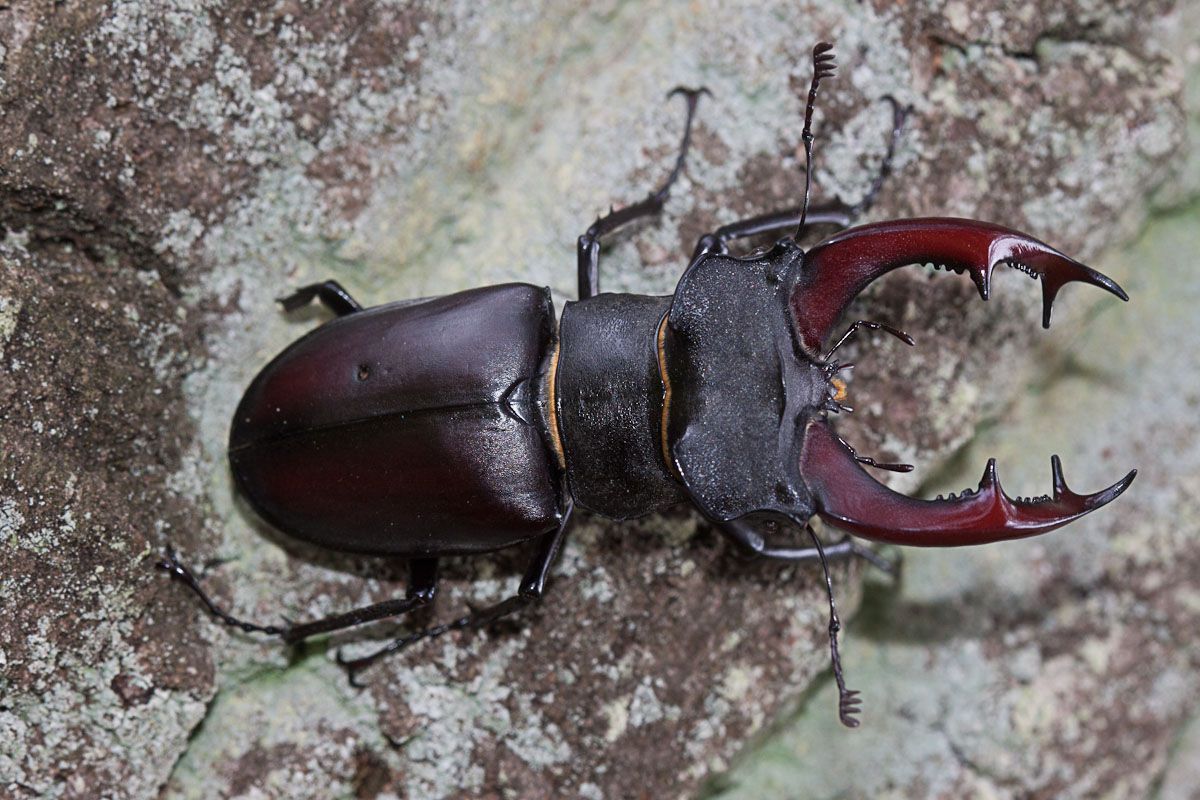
(474, 421)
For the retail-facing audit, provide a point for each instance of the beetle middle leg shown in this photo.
(532, 587)
(330, 293)
(421, 588)
(589, 242)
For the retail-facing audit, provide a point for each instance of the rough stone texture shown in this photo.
(167, 169)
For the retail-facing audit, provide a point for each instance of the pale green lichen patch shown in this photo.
(9, 309)
(452, 720)
(617, 713)
(11, 521)
(290, 732)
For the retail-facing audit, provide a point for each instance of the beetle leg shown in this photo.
(899, 116)
(885, 465)
(849, 703)
(589, 242)
(890, 466)
(846, 496)
(823, 67)
(422, 585)
(836, 214)
(330, 293)
(752, 544)
(531, 590)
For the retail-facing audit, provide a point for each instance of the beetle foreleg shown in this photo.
(835, 214)
(752, 543)
(589, 242)
(849, 703)
(330, 293)
(422, 585)
(530, 591)
(875, 326)
(899, 115)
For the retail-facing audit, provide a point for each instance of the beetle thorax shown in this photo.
(742, 390)
(610, 397)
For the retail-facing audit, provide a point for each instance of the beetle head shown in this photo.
(740, 390)
(748, 431)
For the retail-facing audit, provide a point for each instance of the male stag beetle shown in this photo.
(472, 422)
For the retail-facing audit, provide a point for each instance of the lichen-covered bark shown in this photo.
(168, 168)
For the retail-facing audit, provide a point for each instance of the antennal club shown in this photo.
(849, 701)
(823, 67)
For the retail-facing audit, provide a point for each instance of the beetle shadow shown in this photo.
(721, 563)
(884, 614)
(307, 315)
(384, 568)
(1072, 366)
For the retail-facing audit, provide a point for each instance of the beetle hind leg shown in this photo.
(330, 293)
(531, 590)
(422, 586)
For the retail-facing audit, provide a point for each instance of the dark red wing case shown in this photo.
(385, 431)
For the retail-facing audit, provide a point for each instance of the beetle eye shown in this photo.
(364, 372)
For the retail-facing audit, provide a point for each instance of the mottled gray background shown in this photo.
(168, 168)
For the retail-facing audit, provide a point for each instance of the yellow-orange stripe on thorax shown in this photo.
(556, 443)
(666, 382)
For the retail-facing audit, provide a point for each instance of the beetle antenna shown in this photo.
(870, 462)
(875, 326)
(823, 67)
(849, 702)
